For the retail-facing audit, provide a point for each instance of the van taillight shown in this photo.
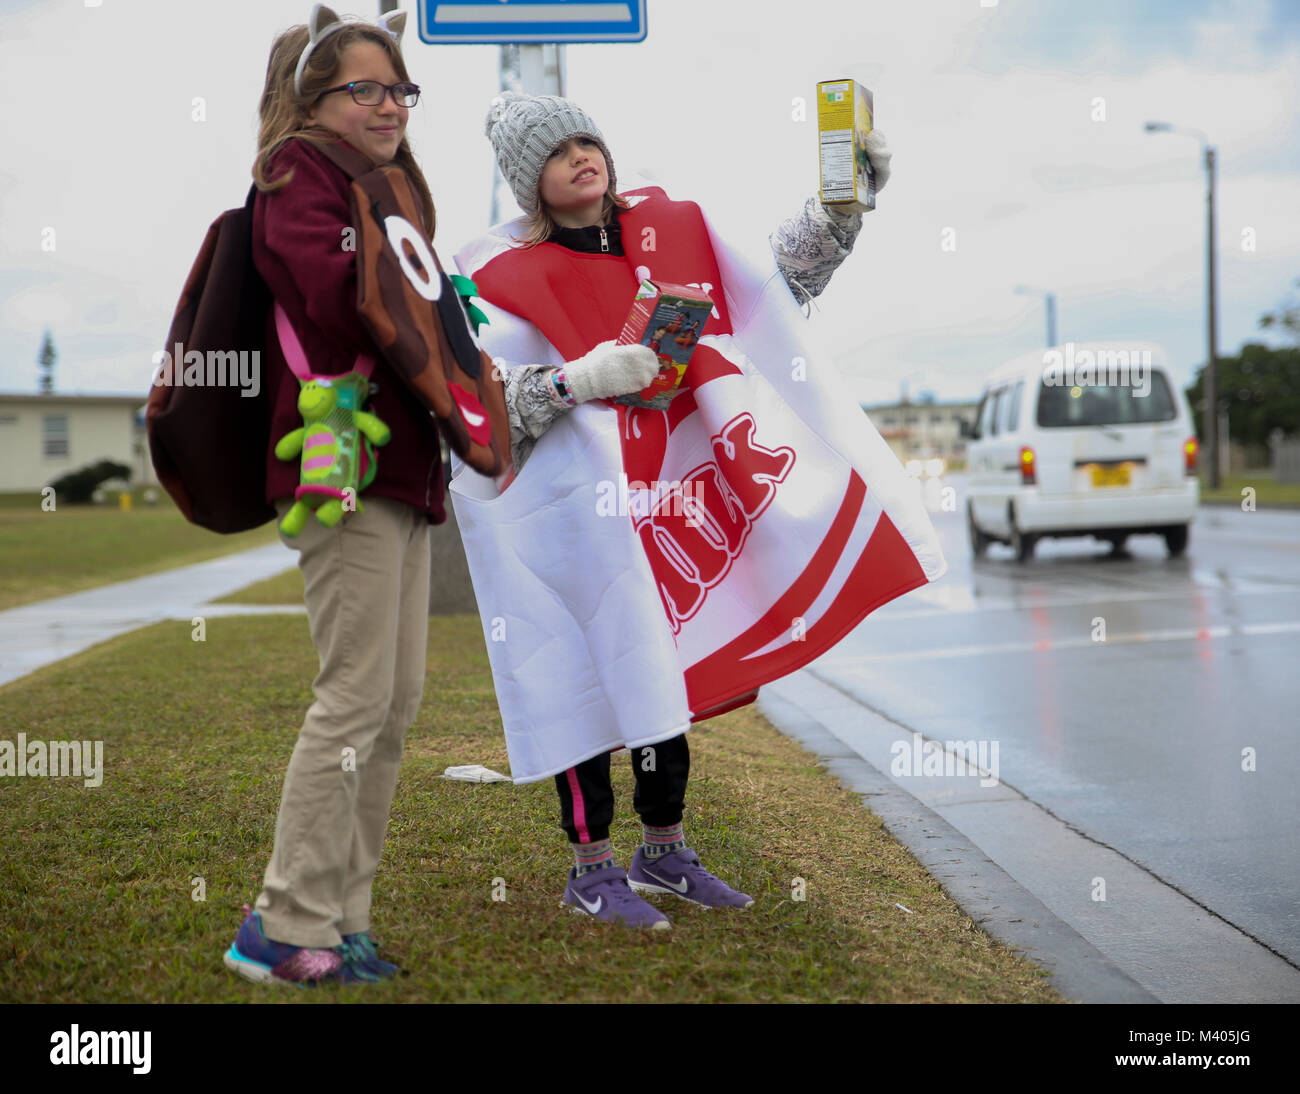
(1189, 455)
(1027, 476)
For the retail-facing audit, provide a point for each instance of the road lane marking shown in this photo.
(957, 605)
(1046, 645)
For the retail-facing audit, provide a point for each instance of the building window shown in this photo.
(54, 434)
(888, 419)
(909, 419)
(936, 419)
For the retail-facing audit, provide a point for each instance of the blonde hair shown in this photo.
(284, 114)
(540, 225)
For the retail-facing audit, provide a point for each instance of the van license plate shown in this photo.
(1110, 476)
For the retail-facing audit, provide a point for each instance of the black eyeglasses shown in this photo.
(371, 92)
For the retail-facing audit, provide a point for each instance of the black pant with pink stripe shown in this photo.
(587, 799)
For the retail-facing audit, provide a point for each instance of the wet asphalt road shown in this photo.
(1136, 740)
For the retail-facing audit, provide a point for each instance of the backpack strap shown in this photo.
(297, 359)
(351, 162)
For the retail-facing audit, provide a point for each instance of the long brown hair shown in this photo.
(539, 225)
(284, 113)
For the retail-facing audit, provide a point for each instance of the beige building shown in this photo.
(919, 431)
(45, 436)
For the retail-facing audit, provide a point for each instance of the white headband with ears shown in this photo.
(324, 22)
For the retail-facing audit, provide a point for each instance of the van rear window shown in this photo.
(1106, 404)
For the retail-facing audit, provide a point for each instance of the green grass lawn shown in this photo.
(78, 547)
(1267, 491)
(96, 883)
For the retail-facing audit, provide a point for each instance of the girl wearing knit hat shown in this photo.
(587, 619)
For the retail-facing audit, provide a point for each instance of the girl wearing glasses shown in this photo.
(366, 579)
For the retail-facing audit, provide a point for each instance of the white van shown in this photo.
(1082, 439)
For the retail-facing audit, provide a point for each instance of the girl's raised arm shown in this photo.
(810, 247)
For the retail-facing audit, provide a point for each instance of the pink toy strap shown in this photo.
(297, 359)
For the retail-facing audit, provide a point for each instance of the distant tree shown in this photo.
(1286, 318)
(1260, 386)
(1260, 389)
(46, 359)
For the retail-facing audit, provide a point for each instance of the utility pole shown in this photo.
(1049, 298)
(1212, 333)
(1211, 416)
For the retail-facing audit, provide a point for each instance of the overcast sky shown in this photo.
(1017, 125)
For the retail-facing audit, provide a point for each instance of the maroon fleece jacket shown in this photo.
(298, 248)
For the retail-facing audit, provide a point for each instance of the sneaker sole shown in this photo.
(662, 925)
(251, 970)
(259, 973)
(646, 887)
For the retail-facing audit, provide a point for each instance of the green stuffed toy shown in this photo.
(335, 442)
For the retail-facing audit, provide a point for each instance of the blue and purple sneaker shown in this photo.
(604, 894)
(363, 953)
(681, 874)
(255, 957)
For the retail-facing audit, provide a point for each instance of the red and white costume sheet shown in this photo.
(762, 520)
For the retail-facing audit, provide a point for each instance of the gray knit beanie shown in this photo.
(526, 129)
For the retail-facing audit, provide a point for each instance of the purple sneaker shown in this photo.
(604, 895)
(256, 957)
(681, 874)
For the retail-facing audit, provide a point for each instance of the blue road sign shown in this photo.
(471, 22)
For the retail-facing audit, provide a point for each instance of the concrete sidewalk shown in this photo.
(39, 634)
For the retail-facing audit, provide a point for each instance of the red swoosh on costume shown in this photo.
(886, 569)
(645, 433)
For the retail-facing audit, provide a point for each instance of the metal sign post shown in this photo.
(537, 69)
(531, 34)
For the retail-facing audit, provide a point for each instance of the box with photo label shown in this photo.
(669, 319)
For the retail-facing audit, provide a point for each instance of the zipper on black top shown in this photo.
(604, 241)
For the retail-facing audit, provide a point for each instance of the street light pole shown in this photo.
(1211, 307)
(1211, 416)
(1049, 298)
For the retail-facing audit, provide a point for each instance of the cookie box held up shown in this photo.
(669, 319)
(844, 118)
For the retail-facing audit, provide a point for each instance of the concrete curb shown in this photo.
(994, 900)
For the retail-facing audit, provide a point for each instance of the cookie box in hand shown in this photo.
(844, 118)
(669, 319)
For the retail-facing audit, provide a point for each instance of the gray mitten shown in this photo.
(610, 370)
(879, 155)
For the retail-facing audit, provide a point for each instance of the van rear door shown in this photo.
(1120, 436)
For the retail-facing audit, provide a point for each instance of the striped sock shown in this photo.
(662, 841)
(593, 856)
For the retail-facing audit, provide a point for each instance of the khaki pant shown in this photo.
(367, 594)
